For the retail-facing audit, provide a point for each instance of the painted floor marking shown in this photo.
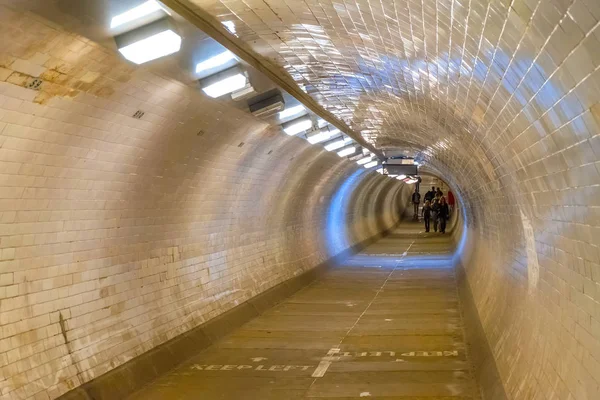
(326, 361)
(321, 369)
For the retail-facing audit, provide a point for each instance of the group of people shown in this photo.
(436, 208)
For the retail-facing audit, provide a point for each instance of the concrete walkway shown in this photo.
(385, 325)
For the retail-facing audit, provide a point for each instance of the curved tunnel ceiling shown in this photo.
(423, 75)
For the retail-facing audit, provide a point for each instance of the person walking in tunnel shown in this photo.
(439, 192)
(443, 214)
(435, 207)
(430, 195)
(416, 200)
(451, 200)
(427, 215)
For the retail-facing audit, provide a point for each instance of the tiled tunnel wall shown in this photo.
(117, 234)
(502, 99)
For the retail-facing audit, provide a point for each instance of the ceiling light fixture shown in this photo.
(225, 82)
(215, 61)
(243, 93)
(322, 135)
(337, 143)
(346, 151)
(152, 41)
(140, 11)
(292, 111)
(298, 125)
(364, 160)
(372, 164)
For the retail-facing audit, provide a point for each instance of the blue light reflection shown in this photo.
(335, 227)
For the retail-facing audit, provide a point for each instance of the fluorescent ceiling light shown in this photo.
(379, 171)
(322, 135)
(290, 112)
(321, 123)
(363, 161)
(215, 61)
(156, 46)
(371, 164)
(400, 177)
(140, 11)
(243, 92)
(227, 85)
(346, 151)
(337, 144)
(298, 125)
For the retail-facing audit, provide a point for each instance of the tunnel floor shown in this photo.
(385, 324)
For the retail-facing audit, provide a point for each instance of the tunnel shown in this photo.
(164, 237)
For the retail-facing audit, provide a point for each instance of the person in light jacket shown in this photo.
(427, 215)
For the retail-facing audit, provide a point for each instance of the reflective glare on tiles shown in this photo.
(149, 42)
(346, 151)
(225, 82)
(298, 125)
(215, 61)
(363, 161)
(322, 135)
(337, 144)
(230, 25)
(292, 111)
(372, 164)
(140, 11)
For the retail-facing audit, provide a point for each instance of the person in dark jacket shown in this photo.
(430, 195)
(416, 200)
(443, 214)
(427, 215)
(439, 192)
(435, 207)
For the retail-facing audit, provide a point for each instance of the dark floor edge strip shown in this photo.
(136, 373)
(480, 352)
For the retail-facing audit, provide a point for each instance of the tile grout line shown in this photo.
(326, 361)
